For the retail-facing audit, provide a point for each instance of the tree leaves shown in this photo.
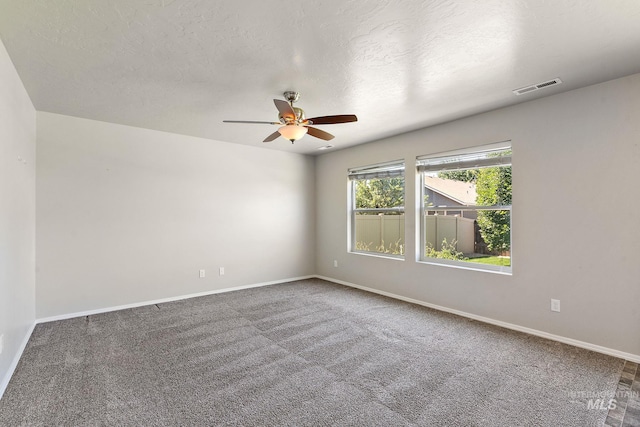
(493, 187)
(380, 193)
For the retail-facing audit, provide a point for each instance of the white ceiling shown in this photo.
(185, 65)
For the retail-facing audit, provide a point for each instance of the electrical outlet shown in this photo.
(1, 343)
(201, 274)
(555, 305)
(222, 271)
(335, 262)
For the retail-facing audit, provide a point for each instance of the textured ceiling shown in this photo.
(183, 66)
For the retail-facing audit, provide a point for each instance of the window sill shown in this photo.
(464, 266)
(378, 255)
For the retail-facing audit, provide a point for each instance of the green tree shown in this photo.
(493, 187)
(380, 193)
(467, 175)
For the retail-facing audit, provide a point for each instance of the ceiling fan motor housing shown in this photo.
(300, 117)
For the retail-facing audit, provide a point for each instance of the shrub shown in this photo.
(396, 248)
(448, 251)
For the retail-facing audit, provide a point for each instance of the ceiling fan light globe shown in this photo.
(292, 132)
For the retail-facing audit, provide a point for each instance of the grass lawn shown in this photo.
(493, 260)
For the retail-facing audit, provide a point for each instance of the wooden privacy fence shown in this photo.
(373, 230)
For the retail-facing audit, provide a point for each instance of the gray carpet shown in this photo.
(307, 353)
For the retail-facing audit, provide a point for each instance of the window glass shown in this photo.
(466, 207)
(377, 209)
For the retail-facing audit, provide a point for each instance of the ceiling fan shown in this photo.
(294, 124)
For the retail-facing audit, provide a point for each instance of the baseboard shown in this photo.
(165, 300)
(16, 359)
(576, 343)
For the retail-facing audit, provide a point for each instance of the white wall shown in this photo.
(17, 215)
(127, 215)
(570, 152)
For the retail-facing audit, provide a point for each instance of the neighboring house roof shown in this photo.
(461, 192)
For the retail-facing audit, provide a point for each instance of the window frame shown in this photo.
(391, 169)
(441, 158)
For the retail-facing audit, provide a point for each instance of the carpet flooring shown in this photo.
(306, 353)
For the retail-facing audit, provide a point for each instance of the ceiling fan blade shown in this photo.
(272, 137)
(329, 120)
(251, 121)
(319, 133)
(285, 109)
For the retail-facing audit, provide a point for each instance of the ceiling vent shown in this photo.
(537, 86)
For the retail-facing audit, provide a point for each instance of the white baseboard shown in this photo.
(576, 343)
(165, 300)
(16, 359)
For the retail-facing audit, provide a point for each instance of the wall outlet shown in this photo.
(1, 343)
(222, 271)
(201, 274)
(555, 305)
(335, 262)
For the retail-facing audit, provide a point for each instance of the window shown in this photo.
(377, 209)
(466, 207)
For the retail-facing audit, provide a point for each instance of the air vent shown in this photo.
(535, 87)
